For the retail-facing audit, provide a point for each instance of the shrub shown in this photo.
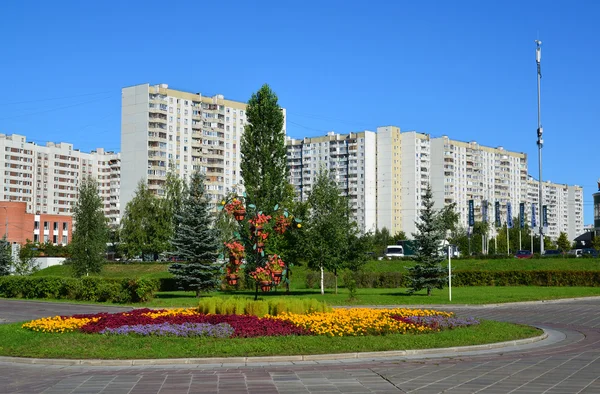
(83, 289)
(260, 308)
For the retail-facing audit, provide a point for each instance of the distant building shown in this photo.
(163, 128)
(46, 178)
(19, 226)
(597, 211)
(386, 174)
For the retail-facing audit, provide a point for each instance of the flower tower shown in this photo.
(255, 243)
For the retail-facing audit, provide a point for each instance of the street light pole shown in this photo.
(540, 131)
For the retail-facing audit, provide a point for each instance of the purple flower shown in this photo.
(221, 330)
(438, 322)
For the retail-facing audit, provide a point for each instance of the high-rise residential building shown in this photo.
(165, 129)
(46, 177)
(407, 162)
(463, 171)
(564, 207)
(350, 160)
(415, 177)
(389, 179)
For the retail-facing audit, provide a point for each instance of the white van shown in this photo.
(394, 251)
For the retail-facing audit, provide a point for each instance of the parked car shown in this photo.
(576, 252)
(552, 252)
(394, 251)
(524, 254)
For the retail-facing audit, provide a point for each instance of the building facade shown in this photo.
(46, 177)
(19, 226)
(402, 164)
(350, 160)
(165, 129)
(564, 207)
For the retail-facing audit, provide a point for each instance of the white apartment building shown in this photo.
(350, 159)
(389, 179)
(415, 176)
(463, 171)
(564, 207)
(406, 162)
(163, 128)
(47, 177)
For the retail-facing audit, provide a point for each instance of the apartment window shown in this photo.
(36, 238)
(46, 226)
(64, 240)
(55, 239)
(45, 238)
(36, 225)
(55, 226)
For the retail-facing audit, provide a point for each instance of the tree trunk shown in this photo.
(336, 281)
(287, 280)
(428, 291)
(256, 292)
(322, 281)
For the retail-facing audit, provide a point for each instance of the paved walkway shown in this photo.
(568, 362)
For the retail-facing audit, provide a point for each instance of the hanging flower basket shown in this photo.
(234, 260)
(265, 285)
(239, 215)
(277, 275)
(232, 279)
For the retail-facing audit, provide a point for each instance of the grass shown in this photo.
(150, 270)
(24, 343)
(460, 295)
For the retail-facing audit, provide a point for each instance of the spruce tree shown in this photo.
(264, 162)
(5, 257)
(196, 242)
(428, 272)
(88, 246)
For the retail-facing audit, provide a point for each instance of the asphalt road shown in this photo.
(568, 363)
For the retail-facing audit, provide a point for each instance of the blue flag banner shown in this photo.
(522, 214)
(545, 215)
(509, 219)
(533, 221)
(484, 211)
(497, 213)
(471, 213)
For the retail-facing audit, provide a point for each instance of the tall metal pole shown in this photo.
(540, 131)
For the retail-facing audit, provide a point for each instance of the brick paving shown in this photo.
(568, 365)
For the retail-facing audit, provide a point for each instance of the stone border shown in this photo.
(242, 361)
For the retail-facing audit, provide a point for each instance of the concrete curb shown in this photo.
(291, 360)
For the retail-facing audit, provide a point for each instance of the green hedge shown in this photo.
(260, 308)
(463, 278)
(81, 289)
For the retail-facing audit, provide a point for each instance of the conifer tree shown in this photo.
(264, 162)
(196, 242)
(88, 246)
(428, 272)
(5, 257)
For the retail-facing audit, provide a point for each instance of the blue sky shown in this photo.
(465, 69)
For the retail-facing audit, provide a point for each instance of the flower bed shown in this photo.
(191, 323)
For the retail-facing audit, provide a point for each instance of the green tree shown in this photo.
(146, 229)
(563, 242)
(5, 257)
(26, 263)
(264, 161)
(428, 272)
(196, 241)
(331, 235)
(172, 202)
(88, 246)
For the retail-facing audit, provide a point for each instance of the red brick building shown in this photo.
(20, 226)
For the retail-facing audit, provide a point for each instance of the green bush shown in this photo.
(82, 289)
(371, 280)
(260, 308)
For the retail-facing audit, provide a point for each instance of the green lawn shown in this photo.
(24, 343)
(460, 295)
(150, 270)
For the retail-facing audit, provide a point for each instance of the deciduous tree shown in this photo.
(90, 235)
